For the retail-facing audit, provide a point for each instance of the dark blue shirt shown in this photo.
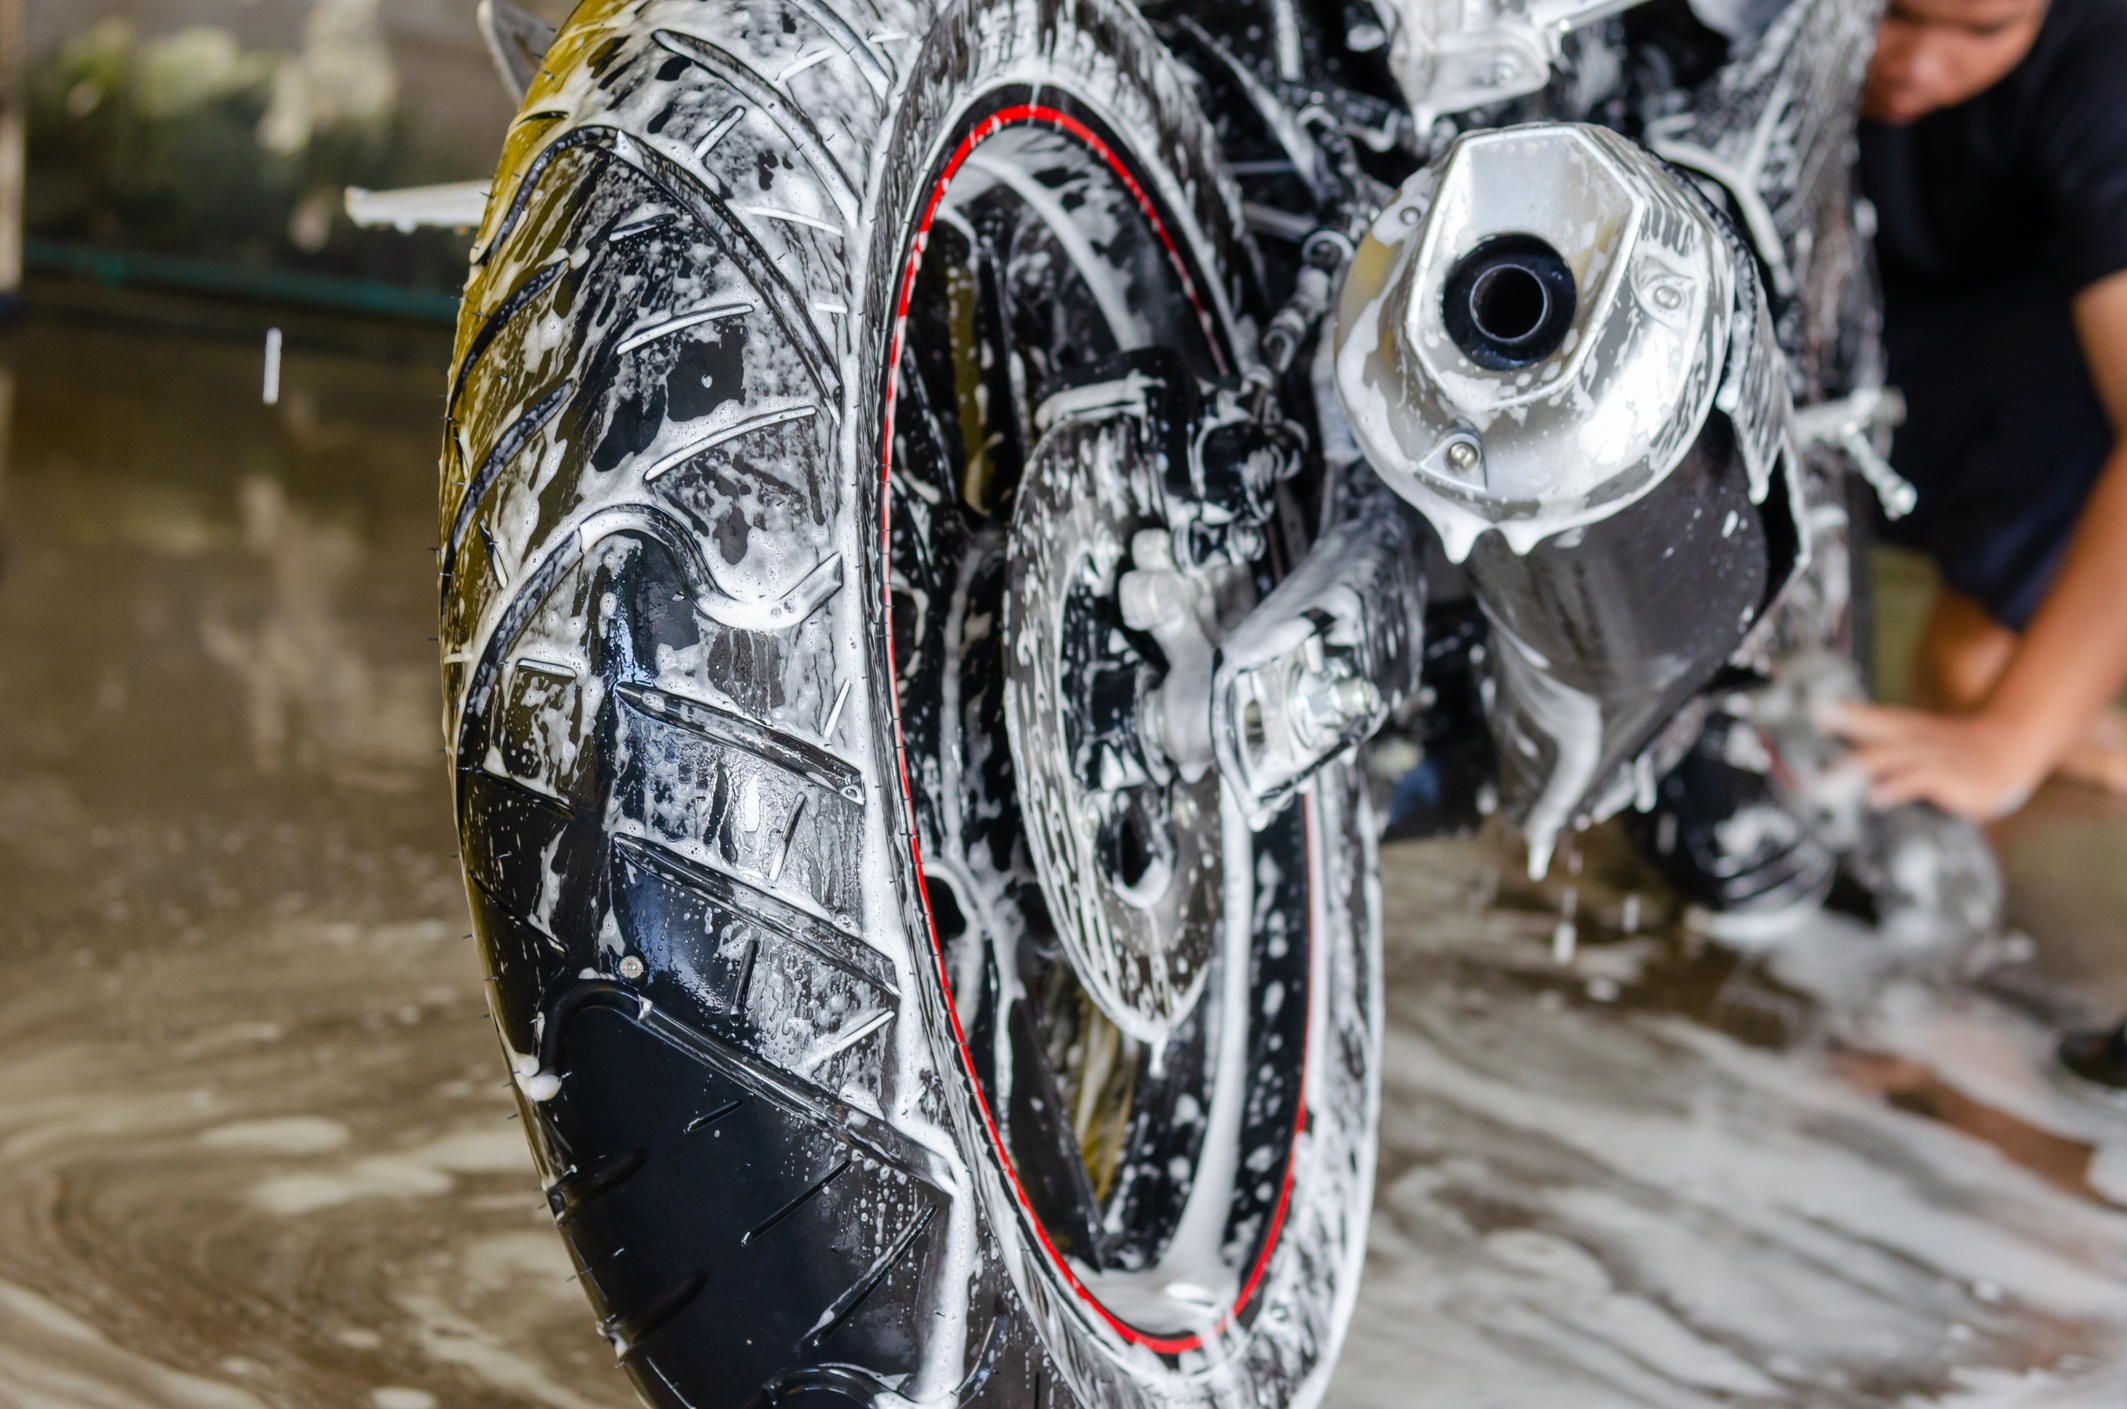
(1991, 216)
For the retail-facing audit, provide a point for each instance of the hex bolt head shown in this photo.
(1356, 697)
(1462, 456)
(1183, 808)
(631, 967)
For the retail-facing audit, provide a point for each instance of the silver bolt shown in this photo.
(1356, 697)
(631, 967)
(1462, 456)
(1667, 297)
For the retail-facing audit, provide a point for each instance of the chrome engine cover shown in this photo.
(1452, 55)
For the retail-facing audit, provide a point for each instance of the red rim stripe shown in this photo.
(990, 127)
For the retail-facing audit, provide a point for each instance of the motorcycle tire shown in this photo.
(756, 318)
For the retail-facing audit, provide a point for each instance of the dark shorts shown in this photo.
(2004, 437)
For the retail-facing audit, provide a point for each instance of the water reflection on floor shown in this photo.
(254, 1146)
(255, 1150)
(1662, 1173)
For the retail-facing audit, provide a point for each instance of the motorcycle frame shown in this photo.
(1763, 135)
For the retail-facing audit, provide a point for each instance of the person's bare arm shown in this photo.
(2072, 660)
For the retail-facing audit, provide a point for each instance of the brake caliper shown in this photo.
(1322, 663)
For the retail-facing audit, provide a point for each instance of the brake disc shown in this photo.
(1126, 846)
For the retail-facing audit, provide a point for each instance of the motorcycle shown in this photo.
(937, 498)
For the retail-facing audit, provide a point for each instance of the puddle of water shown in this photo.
(254, 1146)
(1920, 1090)
(1663, 1173)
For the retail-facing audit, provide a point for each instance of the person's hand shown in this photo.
(1973, 766)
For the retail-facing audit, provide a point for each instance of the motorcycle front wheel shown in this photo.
(762, 314)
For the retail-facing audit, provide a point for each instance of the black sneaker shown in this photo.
(2096, 1063)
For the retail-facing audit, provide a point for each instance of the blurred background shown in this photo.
(228, 130)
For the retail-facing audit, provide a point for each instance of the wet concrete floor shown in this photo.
(255, 1148)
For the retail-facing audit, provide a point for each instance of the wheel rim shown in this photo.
(1036, 1040)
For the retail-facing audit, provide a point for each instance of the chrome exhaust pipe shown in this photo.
(1555, 348)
